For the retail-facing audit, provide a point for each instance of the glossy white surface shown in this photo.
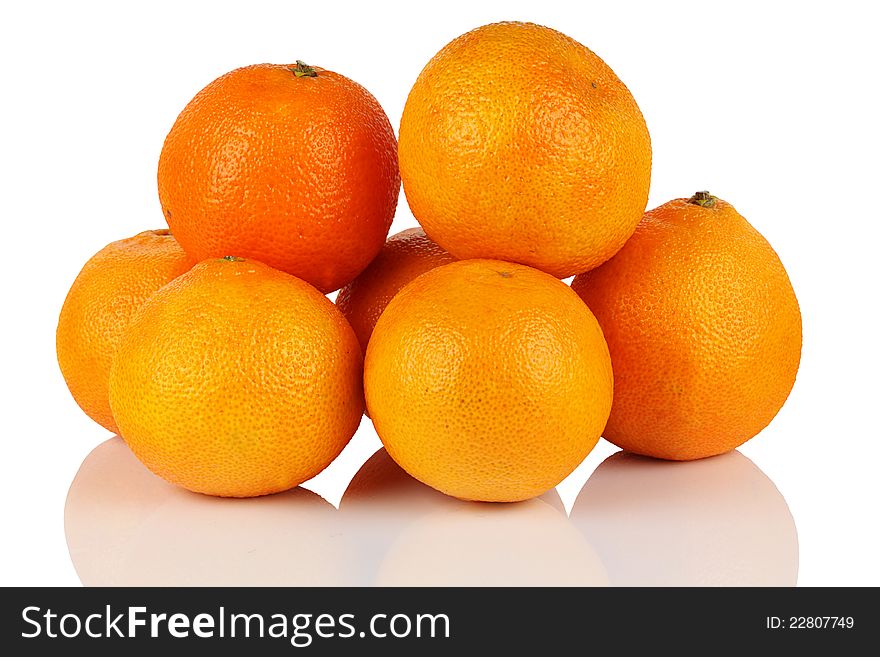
(635, 522)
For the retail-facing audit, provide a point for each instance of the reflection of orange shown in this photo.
(112, 285)
(404, 256)
(525, 544)
(703, 327)
(714, 522)
(126, 527)
(237, 380)
(384, 486)
(391, 517)
(488, 380)
(293, 166)
(380, 501)
(518, 143)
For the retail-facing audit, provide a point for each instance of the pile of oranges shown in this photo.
(212, 348)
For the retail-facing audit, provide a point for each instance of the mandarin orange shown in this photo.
(405, 256)
(703, 327)
(112, 285)
(294, 166)
(488, 380)
(237, 380)
(521, 144)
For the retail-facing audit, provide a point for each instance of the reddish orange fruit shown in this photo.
(112, 285)
(294, 166)
(237, 380)
(405, 255)
(703, 327)
(519, 143)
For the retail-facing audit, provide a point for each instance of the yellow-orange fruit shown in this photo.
(405, 255)
(519, 143)
(488, 380)
(112, 285)
(237, 380)
(703, 327)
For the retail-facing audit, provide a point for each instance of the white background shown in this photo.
(771, 106)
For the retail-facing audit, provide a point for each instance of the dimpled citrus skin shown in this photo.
(237, 380)
(488, 380)
(703, 327)
(405, 255)
(298, 172)
(519, 143)
(112, 285)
